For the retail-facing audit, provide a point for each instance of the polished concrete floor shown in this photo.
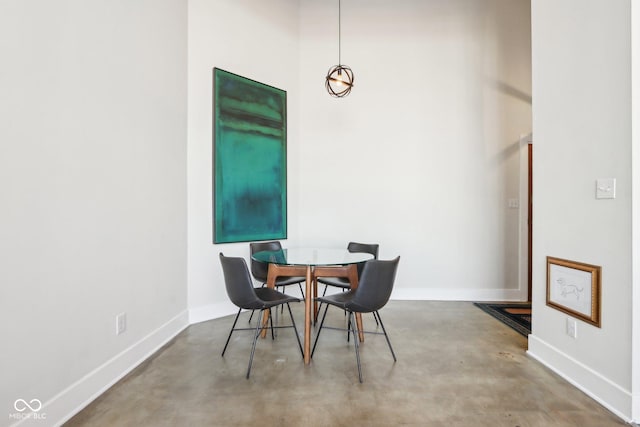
(457, 366)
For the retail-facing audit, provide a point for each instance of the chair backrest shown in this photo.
(259, 269)
(238, 282)
(375, 285)
(368, 248)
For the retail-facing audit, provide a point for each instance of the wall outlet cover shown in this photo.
(606, 188)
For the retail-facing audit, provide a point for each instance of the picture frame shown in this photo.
(574, 288)
(249, 160)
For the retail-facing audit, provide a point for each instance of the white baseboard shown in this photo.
(636, 408)
(459, 294)
(74, 398)
(211, 311)
(607, 393)
(215, 311)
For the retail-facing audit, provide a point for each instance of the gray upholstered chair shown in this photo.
(372, 293)
(343, 282)
(259, 269)
(242, 293)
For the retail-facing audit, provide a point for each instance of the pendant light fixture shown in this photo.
(339, 80)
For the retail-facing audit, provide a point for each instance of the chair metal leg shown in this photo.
(375, 317)
(259, 328)
(280, 289)
(319, 330)
(293, 322)
(323, 294)
(231, 332)
(273, 337)
(357, 345)
(386, 336)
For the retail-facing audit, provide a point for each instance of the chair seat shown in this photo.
(284, 281)
(344, 300)
(338, 282)
(339, 300)
(271, 297)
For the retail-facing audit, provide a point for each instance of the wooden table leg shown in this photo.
(276, 271)
(310, 309)
(271, 283)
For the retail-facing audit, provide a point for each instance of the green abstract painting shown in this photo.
(249, 160)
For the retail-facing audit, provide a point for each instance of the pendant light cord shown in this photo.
(339, 79)
(339, 34)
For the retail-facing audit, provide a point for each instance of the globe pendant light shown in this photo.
(339, 80)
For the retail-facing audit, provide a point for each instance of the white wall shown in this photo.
(428, 142)
(424, 154)
(258, 40)
(93, 193)
(582, 131)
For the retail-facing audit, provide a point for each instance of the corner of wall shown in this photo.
(599, 388)
(74, 398)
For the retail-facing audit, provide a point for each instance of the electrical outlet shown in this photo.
(121, 323)
(572, 327)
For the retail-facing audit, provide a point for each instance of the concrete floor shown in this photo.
(457, 366)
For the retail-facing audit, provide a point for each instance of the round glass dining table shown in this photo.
(312, 257)
(312, 263)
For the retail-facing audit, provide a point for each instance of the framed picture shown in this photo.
(574, 288)
(249, 160)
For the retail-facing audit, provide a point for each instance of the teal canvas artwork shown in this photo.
(249, 160)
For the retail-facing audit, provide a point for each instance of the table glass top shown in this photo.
(312, 256)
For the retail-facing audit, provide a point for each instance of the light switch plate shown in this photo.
(606, 188)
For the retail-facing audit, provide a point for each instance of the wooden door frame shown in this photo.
(529, 219)
(525, 219)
